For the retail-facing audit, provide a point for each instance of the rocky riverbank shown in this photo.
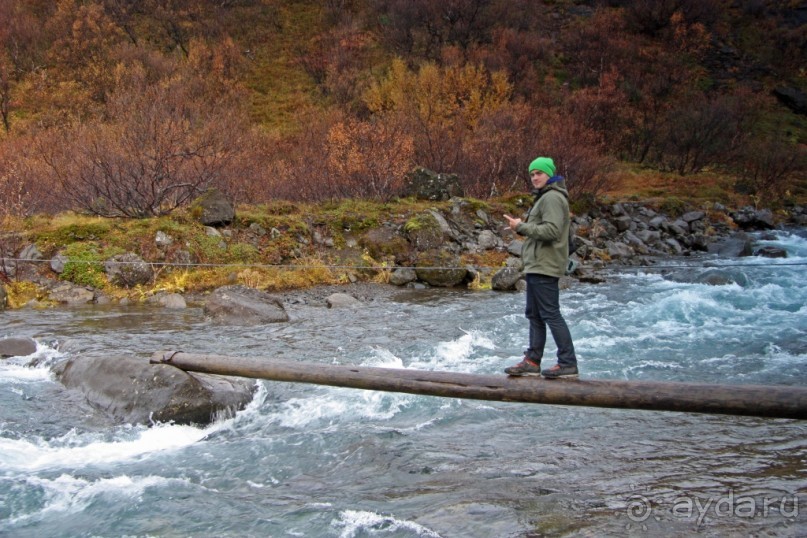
(458, 243)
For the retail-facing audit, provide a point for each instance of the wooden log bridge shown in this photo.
(775, 401)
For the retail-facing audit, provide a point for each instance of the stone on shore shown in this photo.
(239, 305)
(505, 279)
(341, 300)
(128, 270)
(70, 294)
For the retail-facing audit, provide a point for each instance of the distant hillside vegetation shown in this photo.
(134, 107)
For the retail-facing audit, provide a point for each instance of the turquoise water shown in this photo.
(304, 460)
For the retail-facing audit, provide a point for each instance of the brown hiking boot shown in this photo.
(560, 371)
(525, 367)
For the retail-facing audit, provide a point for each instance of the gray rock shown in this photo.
(17, 347)
(173, 301)
(402, 276)
(257, 229)
(3, 297)
(128, 270)
(749, 218)
(737, 245)
(712, 277)
(647, 212)
(692, 216)
(181, 257)
(428, 233)
(162, 239)
(424, 184)
(589, 277)
(505, 279)
(239, 305)
(131, 390)
(681, 223)
(699, 241)
(771, 252)
(487, 240)
(793, 98)
(8, 267)
(634, 241)
(617, 210)
(30, 252)
(675, 228)
(445, 227)
(216, 208)
(515, 247)
(212, 232)
(483, 216)
(440, 268)
(70, 294)
(623, 223)
(58, 262)
(618, 251)
(515, 263)
(649, 237)
(341, 300)
(674, 245)
(656, 223)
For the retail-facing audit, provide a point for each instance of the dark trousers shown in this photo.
(543, 309)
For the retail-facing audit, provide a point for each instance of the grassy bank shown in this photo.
(284, 245)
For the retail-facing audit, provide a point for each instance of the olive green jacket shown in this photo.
(546, 232)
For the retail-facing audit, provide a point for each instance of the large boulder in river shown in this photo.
(131, 390)
(16, 347)
(239, 305)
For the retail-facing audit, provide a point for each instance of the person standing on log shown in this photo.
(545, 256)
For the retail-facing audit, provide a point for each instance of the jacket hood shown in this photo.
(559, 184)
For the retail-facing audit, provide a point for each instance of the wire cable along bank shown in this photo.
(773, 401)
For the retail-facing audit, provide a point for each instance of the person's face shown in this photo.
(538, 179)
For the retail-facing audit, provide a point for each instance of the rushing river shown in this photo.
(305, 460)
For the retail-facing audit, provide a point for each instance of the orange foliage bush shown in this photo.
(368, 160)
(437, 106)
(162, 147)
(23, 191)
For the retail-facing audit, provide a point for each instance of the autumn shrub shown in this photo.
(24, 189)
(770, 166)
(658, 17)
(368, 159)
(437, 106)
(297, 164)
(579, 153)
(705, 130)
(422, 27)
(496, 154)
(162, 147)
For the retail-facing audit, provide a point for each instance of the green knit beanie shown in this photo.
(544, 164)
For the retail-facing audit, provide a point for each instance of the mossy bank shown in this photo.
(287, 246)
